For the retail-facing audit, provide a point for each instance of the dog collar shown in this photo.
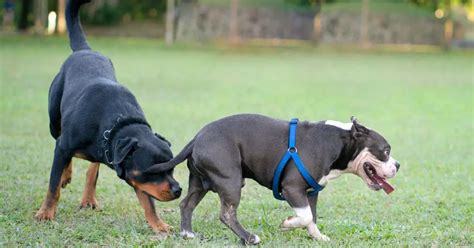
(109, 134)
(292, 153)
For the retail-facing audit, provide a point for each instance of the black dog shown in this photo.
(226, 151)
(94, 118)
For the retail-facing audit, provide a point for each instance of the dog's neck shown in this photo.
(346, 150)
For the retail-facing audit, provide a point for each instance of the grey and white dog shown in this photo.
(227, 151)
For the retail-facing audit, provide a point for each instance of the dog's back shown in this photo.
(85, 77)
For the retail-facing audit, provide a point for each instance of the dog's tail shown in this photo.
(77, 39)
(183, 155)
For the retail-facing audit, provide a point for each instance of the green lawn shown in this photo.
(421, 102)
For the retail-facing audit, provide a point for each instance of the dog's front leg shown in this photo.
(313, 229)
(304, 216)
(152, 218)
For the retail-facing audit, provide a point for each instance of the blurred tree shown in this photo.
(61, 17)
(364, 23)
(170, 19)
(233, 23)
(41, 12)
(23, 21)
(310, 3)
(436, 4)
(317, 20)
(109, 12)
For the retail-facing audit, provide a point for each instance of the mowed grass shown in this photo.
(422, 104)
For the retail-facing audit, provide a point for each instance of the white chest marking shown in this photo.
(333, 174)
(341, 125)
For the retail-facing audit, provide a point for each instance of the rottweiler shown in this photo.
(95, 118)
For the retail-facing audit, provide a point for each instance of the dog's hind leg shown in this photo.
(229, 194)
(61, 160)
(196, 193)
(66, 177)
(88, 197)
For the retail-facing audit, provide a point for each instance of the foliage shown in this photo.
(131, 10)
(421, 102)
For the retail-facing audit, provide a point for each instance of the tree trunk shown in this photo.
(170, 16)
(233, 23)
(364, 24)
(448, 26)
(41, 12)
(317, 22)
(23, 19)
(61, 27)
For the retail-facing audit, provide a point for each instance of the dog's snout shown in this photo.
(176, 190)
(397, 165)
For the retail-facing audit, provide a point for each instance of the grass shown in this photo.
(421, 102)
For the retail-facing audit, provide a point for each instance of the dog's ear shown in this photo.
(122, 148)
(357, 129)
(163, 138)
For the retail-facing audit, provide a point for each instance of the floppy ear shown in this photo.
(122, 148)
(357, 129)
(163, 138)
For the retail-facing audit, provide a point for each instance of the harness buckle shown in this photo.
(293, 149)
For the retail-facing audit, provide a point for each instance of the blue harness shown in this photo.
(292, 153)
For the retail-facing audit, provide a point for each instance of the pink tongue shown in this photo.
(385, 185)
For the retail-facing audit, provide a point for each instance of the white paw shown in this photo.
(187, 234)
(316, 234)
(253, 240)
(322, 237)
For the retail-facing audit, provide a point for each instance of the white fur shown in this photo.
(341, 125)
(314, 232)
(383, 169)
(187, 234)
(304, 218)
(389, 168)
(333, 174)
(257, 239)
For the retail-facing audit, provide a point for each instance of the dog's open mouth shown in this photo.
(377, 181)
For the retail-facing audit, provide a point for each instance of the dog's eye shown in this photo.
(387, 152)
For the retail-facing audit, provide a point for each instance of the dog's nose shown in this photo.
(397, 165)
(176, 190)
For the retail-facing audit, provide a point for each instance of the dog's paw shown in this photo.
(162, 228)
(320, 237)
(316, 234)
(89, 203)
(252, 240)
(187, 234)
(285, 225)
(323, 237)
(44, 214)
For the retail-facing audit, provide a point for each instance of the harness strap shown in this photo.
(292, 153)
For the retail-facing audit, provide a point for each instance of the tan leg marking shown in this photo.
(152, 218)
(48, 208)
(88, 197)
(50, 203)
(66, 177)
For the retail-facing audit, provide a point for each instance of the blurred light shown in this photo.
(470, 16)
(51, 22)
(439, 13)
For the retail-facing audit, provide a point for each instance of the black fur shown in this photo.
(91, 113)
(228, 150)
